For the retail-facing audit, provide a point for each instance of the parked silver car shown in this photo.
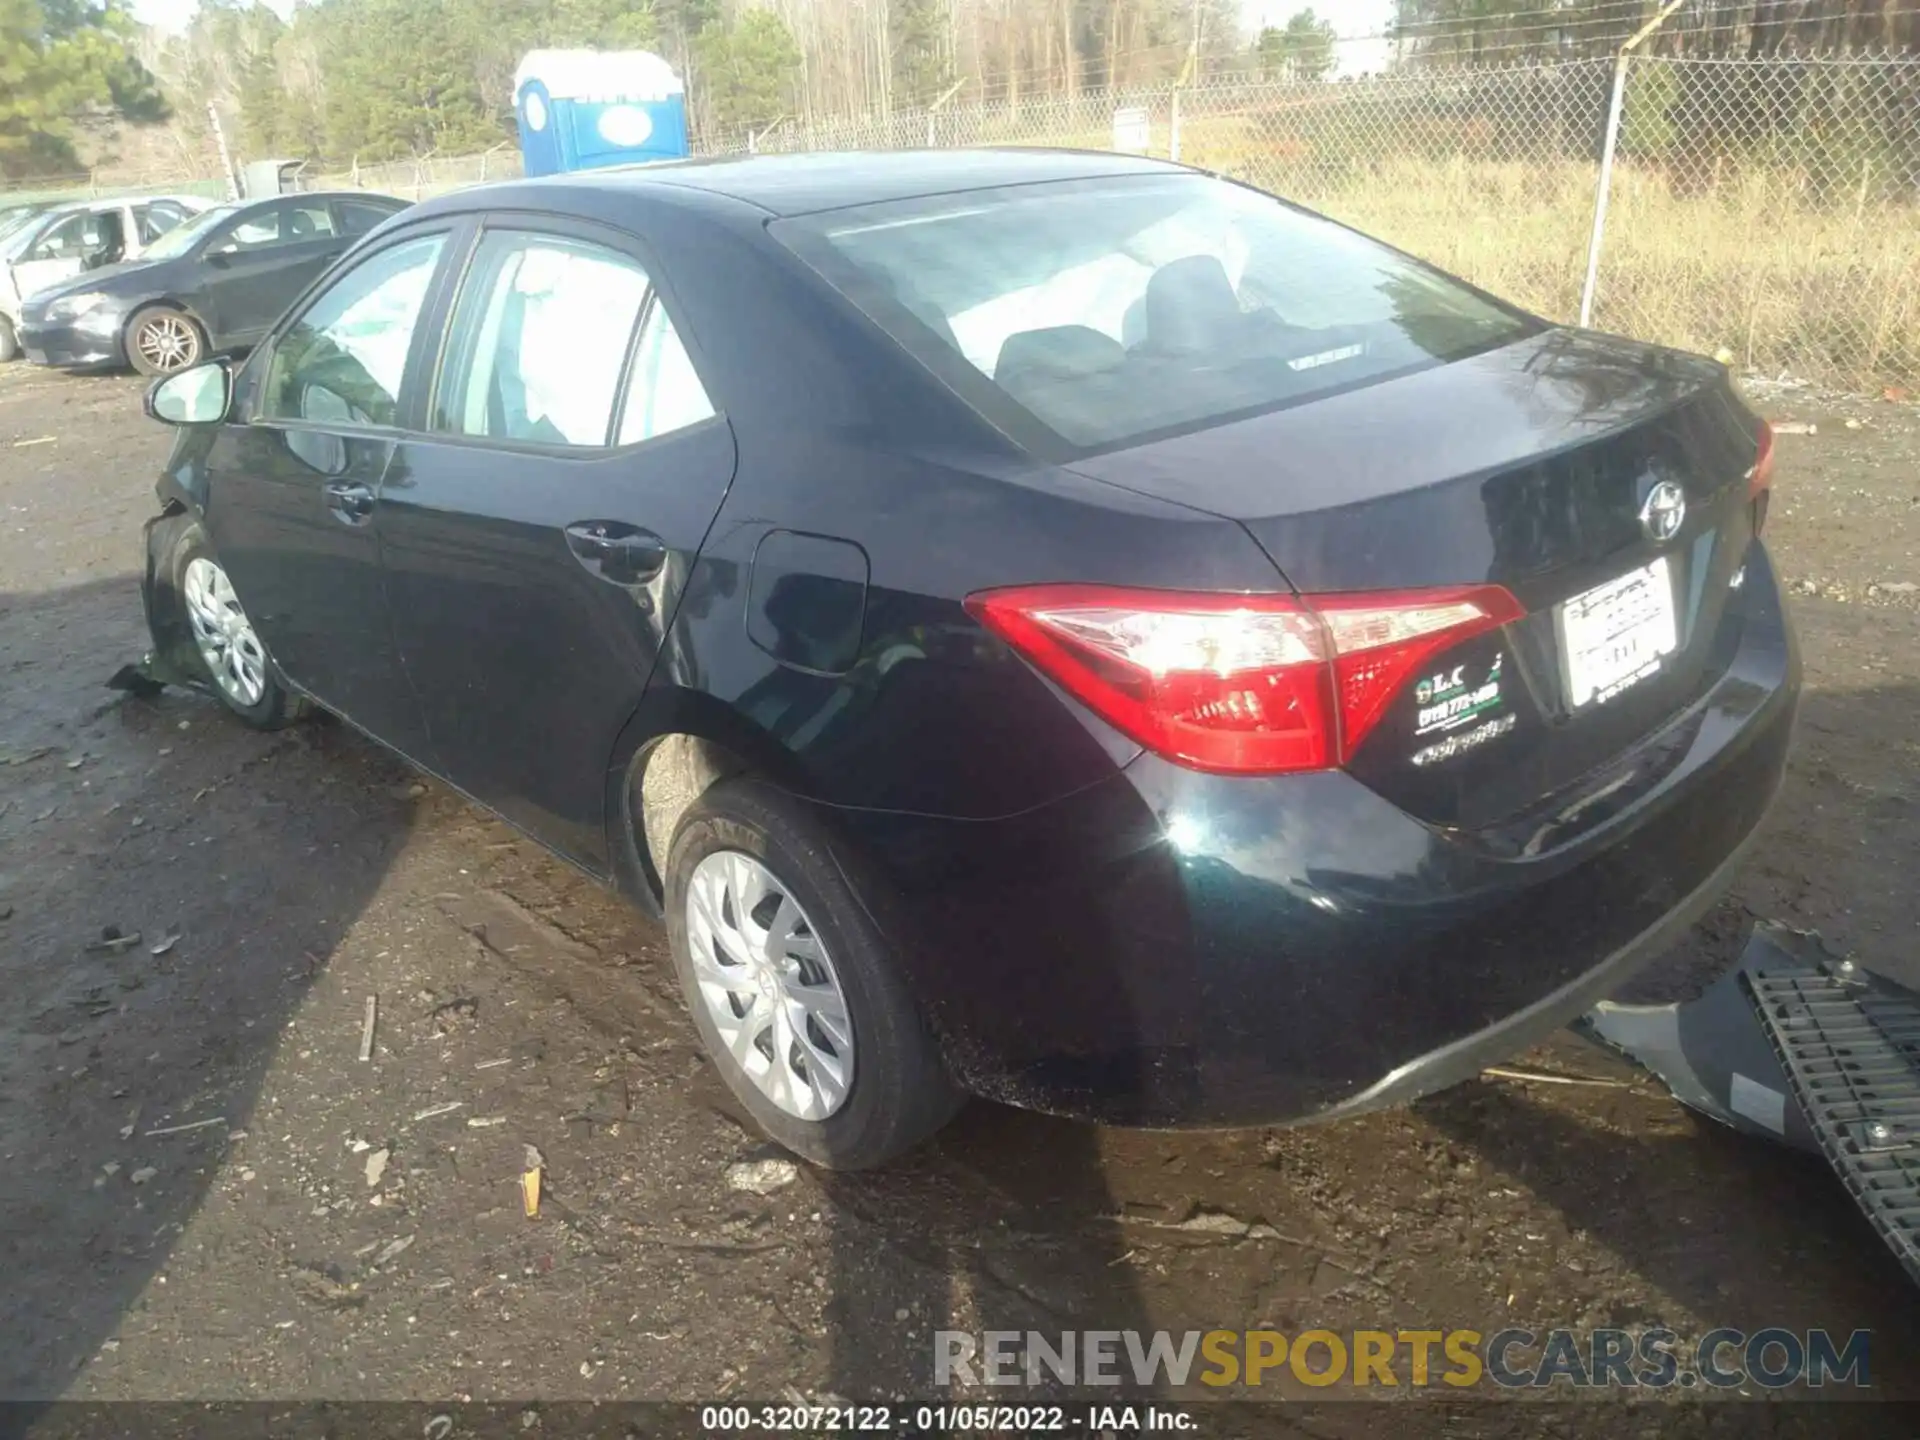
(65, 240)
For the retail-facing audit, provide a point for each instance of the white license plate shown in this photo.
(1617, 633)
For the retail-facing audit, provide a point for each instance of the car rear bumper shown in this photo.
(1172, 948)
(68, 345)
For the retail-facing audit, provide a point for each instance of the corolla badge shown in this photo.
(1664, 512)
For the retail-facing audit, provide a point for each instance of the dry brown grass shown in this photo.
(1828, 291)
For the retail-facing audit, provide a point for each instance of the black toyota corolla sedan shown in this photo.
(1059, 627)
(213, 284)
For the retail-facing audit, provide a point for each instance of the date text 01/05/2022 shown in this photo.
(944, 1419)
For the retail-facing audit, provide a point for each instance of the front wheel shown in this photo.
(161, 341)
(231, 655)
(791, 986)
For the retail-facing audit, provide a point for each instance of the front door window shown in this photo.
(341, 362)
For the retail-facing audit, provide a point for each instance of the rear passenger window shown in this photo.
(157, 218)
(310, 220)
(541, 335)
(663, 394)
(357, 217)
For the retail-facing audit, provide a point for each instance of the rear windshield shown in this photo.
(1113, 310)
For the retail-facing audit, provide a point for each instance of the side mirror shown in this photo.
(200, 396)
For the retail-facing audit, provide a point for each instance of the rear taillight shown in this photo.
(1760, 478)
(1239, 684)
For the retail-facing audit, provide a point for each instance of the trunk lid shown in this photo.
(1530, 466)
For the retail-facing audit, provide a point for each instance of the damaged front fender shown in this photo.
(183, 480)
(171, 661)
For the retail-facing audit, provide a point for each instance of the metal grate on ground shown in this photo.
(1851, 1051)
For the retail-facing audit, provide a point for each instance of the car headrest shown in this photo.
(1059, 351)
(301, 223)
(889, 285)
(1190, 305)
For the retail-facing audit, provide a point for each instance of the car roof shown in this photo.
(108, 202)
(241, 207)
(831, 180)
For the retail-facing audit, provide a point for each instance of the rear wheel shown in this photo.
(9, 342)
(161, 341)
(791, 986)
(230, 652)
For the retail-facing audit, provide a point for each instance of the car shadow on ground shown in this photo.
(1009, 1224)
(1733, 1227)
(128, 1067)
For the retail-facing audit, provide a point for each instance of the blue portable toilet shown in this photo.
(581, 109)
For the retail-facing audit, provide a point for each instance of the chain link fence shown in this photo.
(58, 189)
(1768, 210)
(416, 179)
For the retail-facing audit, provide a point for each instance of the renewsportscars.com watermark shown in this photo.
(1722, 1359)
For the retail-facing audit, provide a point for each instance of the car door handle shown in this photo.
(618, 553)
(351, 503)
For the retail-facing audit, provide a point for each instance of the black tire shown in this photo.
(9, 342)
(175, 633)
(179, 325)
(900, 1092)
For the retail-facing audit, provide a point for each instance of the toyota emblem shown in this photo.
(1665, 511)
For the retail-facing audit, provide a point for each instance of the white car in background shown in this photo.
(66, 240)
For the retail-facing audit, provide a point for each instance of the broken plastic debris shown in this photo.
(393, 1249)
(762, 1177)
(433, 1110)
(1214, 1222)
(366, 1027)
(483, 1122)
(136, 680)
(112, 942)
(195, 1125)
(323, 1289)
(143, 1174)
(165, 943)
(530, 1182)
(377, 1165)
(1547, 1077)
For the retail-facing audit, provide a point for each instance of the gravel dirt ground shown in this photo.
(208, 1194)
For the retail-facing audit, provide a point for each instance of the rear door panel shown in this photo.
(528, 651)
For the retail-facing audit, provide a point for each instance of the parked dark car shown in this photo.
(1056, 626)
(211, 286)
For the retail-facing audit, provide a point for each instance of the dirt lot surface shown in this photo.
(207, 1194)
